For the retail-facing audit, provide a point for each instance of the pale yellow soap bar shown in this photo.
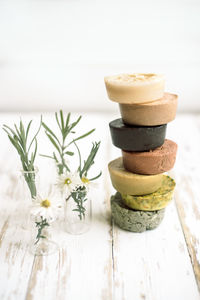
(135, 88)
(132, 184)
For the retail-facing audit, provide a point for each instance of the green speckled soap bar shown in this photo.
(134, 220)
(154, 201)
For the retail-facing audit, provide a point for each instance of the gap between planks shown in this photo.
(189, 239)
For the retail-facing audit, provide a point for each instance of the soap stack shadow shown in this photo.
(143, 191)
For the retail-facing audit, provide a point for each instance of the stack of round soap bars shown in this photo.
(143, 191)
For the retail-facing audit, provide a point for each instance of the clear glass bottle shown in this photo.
(43, 245)
(26, 192)
(30, 184)
(76, 222)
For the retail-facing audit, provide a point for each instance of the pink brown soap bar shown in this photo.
(158, 112)
(151, 162)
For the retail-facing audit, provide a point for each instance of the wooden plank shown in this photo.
(15, 259)
(188, 178)
(154, 264)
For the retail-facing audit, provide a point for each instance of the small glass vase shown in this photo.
(43, 245)
(76, 223)
(29, 184)
(26, 192)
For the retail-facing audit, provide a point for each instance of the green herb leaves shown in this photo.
(27, 150)
(40, 226)
(60, 144)
(79, 193)
(79, 196)
(19, 139)
(89, 161)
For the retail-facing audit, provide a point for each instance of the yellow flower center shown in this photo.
(67, 181)
(85, 180)
(45, 203)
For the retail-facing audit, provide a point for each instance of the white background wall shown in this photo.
(54, 54)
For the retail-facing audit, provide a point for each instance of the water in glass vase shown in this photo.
(78, 216)
(41, 243)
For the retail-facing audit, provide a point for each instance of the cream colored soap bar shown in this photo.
(132, 184)
(135, 88)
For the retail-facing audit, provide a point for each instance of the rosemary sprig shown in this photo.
(79, 196)
(40, 226)
(19, 139)
(60, 145)
(89, 161)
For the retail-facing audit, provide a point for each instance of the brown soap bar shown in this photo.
(136, 138)
(153, 162)
(158, 112)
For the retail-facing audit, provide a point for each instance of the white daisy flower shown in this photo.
(48, 208)
(68, 182)
(88, 184)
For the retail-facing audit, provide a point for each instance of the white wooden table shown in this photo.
(107, 262)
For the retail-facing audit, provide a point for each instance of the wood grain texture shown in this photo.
(106, 263)
(187, 174)
(15, 259)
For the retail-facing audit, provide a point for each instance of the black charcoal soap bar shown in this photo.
(136, 138)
